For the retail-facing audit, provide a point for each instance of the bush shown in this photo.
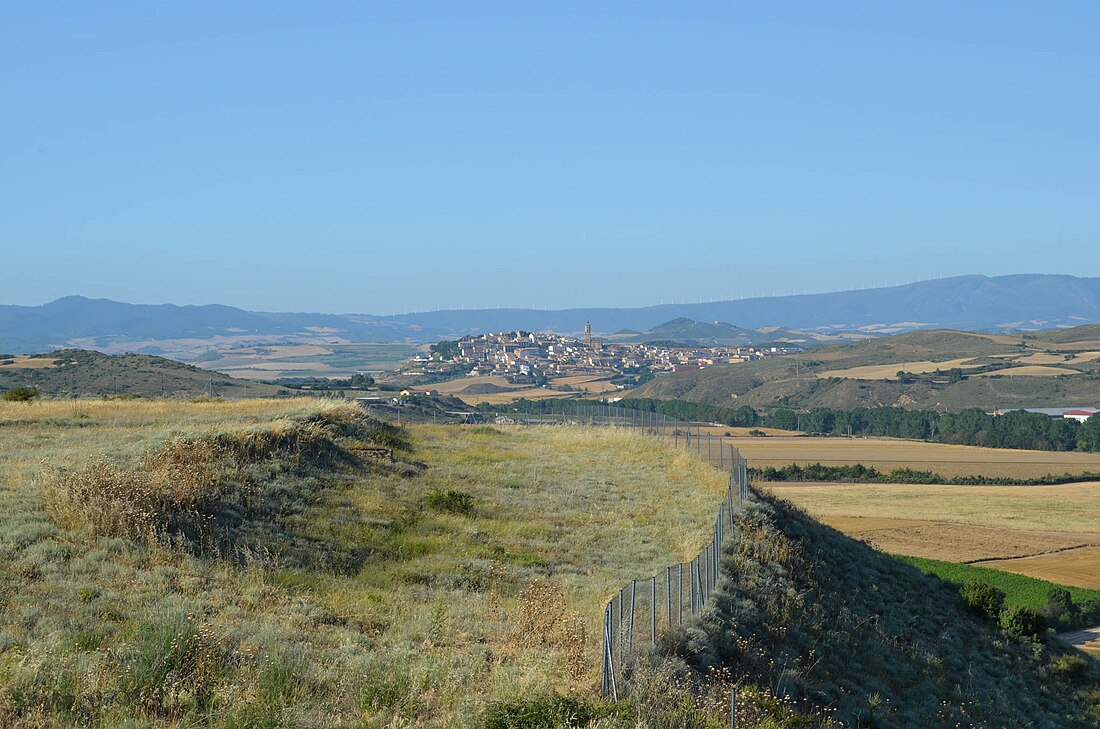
(21, 394)
(1022, 622)
(456, 502)
(983, 598)
(1069, 666)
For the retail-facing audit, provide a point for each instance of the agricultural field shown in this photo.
(496, 390)
(890, 371)
(1047, 532)
(307, 360)
(282, 579)
(886, 454)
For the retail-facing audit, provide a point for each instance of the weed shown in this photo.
(455, 502)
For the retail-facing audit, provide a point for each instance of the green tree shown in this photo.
(21, 394)
(1023, 622)
(360, 381)
(982, 598)
(1088, 435)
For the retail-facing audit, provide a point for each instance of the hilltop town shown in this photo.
(522, 356)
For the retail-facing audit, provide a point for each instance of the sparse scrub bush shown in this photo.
(543, 620)
(20, 394)
(983, 599)
(1070, 666)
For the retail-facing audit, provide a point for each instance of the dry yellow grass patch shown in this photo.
(22, 362)
(1042, 358)
(890, 371)
(268, 368)
(1079, 567)
(1067, 509)
(886, 454)
(1048, 525)
(502, 398)
(953, 542)
(1031, 371)
(453, 386)
(587, 383)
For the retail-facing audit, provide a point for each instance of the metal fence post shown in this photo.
(668, 595)
(610, 658)
(680, 595)
(619, 628)
(633, 605)
(653, 611)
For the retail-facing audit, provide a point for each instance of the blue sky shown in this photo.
(357, 157)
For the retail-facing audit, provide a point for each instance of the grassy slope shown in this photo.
(86, 373)
(1018, 589)
(791, 381)
(421, 617)
(836, 624)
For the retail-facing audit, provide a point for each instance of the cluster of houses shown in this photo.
(525, 354)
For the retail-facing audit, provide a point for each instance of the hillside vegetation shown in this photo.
(81, 373)
(854, 635)
(946, 370)
(256, 564)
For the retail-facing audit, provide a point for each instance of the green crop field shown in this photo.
(1018, 589)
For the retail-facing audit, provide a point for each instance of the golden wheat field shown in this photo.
(890, 371)
(1031, 371)
(1046, 531)
(888, 453)
(967, 523)
(1079, 566)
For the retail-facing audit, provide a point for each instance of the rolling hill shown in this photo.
(976, 303)
(81, 373)
(1045, 369)
(690, 332)
(869, 641)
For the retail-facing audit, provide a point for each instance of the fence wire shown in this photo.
(644, 609)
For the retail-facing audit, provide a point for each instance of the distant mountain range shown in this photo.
(975, 303)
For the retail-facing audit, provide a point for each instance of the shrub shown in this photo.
(1022, 622)
(982, 598)
(174, 489)
(21, 394)
(1070, 666)
(548, 711)
(456, 502)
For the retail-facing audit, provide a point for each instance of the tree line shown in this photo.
(859, 473)
(1015, 429)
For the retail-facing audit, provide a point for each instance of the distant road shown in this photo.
(1087, 639)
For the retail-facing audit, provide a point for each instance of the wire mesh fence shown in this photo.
(644, 609)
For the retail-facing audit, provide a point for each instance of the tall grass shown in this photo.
(349, 599)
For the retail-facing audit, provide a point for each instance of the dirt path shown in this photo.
(1087, 639)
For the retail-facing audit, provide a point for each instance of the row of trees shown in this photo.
(1016, 429)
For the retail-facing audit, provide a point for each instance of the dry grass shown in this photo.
(1080, 567)
(890, 371)
(1042, 358)
(503, 398)
(25, 362)
(966, 523)
(1031, 371)
(443, 614)
(454, 386)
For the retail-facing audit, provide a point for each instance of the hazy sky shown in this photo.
(356, 157)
